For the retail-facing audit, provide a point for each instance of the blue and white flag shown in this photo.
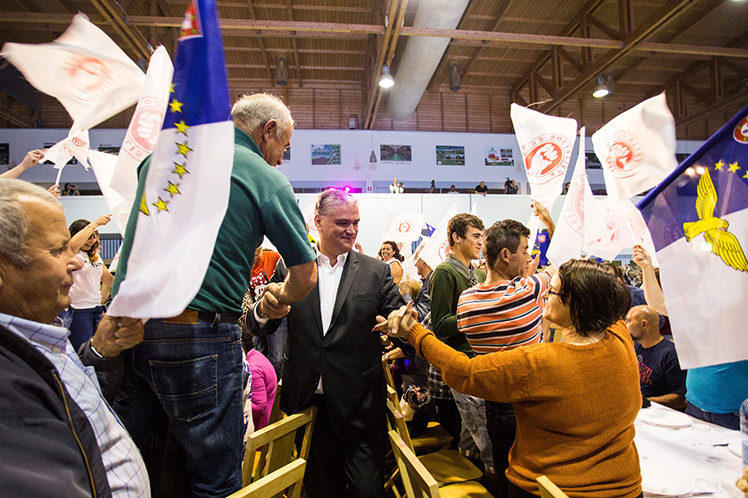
(182, 197)
(698, 218)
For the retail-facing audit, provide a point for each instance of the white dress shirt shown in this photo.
(124, 466)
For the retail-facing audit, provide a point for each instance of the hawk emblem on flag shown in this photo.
(722, 243)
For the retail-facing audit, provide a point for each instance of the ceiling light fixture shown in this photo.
(454, 77)
(281, 72)
(386, 80)
(604, 87)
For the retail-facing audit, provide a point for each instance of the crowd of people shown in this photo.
(521, 365)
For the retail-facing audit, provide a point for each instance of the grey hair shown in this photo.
(332, 198)
(14, 222)
(251, 112)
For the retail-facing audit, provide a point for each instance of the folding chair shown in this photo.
(548, 489)
(419, 483)
(435, 436)
(446, 466)
(277, 441)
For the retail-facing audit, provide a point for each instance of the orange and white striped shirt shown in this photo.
(504, 315)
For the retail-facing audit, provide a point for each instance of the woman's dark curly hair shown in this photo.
(396, 250)
(594, 295)
(76, 227)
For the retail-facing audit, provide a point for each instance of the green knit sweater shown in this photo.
(445, 287)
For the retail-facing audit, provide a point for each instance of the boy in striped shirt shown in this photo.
(505, 312)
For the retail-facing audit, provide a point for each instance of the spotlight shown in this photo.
(281, 72)
(373, 157)
(454, 77)
(386, 81)
(604, 87)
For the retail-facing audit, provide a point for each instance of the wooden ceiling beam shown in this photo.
(295, 46)
(636, 37)
(114, 16)
(734, 99)
(261, 43)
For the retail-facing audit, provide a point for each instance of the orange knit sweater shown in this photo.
(575, 408)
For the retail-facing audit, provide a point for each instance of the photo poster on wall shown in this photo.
(450, 155)
(4, 153)
(395, 154)
(287, 154)
(326, 154)
(498, 157)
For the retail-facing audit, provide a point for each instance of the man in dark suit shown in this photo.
(333, 359)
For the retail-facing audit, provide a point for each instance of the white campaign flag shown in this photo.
(612, 226)
(74, 145)
(83, 69)
(435, 250)
(568, 239)
(637, 148)
(183, 194)
(546, 143)
(141, 136)
(103, 165)
(403, 229)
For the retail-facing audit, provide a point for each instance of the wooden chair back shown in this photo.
(278, 443)
(548, 489)
(417, 481)
(290, 477)
(275, 413)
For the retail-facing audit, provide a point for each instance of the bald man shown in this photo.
(660, 376)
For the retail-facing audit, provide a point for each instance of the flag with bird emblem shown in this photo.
(698, 218)
(183, 188)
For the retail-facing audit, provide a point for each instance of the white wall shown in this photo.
(356, 147)
(374, 209)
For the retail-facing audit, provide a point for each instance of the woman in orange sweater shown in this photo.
(575, 400)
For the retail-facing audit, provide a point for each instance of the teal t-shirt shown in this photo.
(261, 202)
(718, 388)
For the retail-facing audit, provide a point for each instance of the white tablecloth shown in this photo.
(670, 453)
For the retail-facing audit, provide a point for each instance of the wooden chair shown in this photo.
(548, 489)
(419, 483)
(278, 450)
(446, 466)
(290, 477)
(435, 437)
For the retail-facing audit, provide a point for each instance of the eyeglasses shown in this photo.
(551, 291)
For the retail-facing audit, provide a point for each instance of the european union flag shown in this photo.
(698, 218)
(184, 186)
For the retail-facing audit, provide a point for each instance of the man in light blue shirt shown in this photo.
(36, 266)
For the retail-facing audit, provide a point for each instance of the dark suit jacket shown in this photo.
(348, 357)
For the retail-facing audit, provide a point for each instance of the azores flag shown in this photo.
(183, 188)
(698, 218)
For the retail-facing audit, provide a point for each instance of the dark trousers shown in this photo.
(449, 418)
(502, 428)
(337, 468)
(729, 420)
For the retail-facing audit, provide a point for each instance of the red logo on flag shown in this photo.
(740, 133)
(575, 215)
(85, 78)
(78, 142)
(141, 138)
(403, 228)
(191, 25)
(443, 250)
(624, 155)
(546, 157)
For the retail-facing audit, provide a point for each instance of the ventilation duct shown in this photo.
(421, 55)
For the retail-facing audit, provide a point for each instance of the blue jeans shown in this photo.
(473, 414)
(83, 324)
(729, 420)
(187, 378)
